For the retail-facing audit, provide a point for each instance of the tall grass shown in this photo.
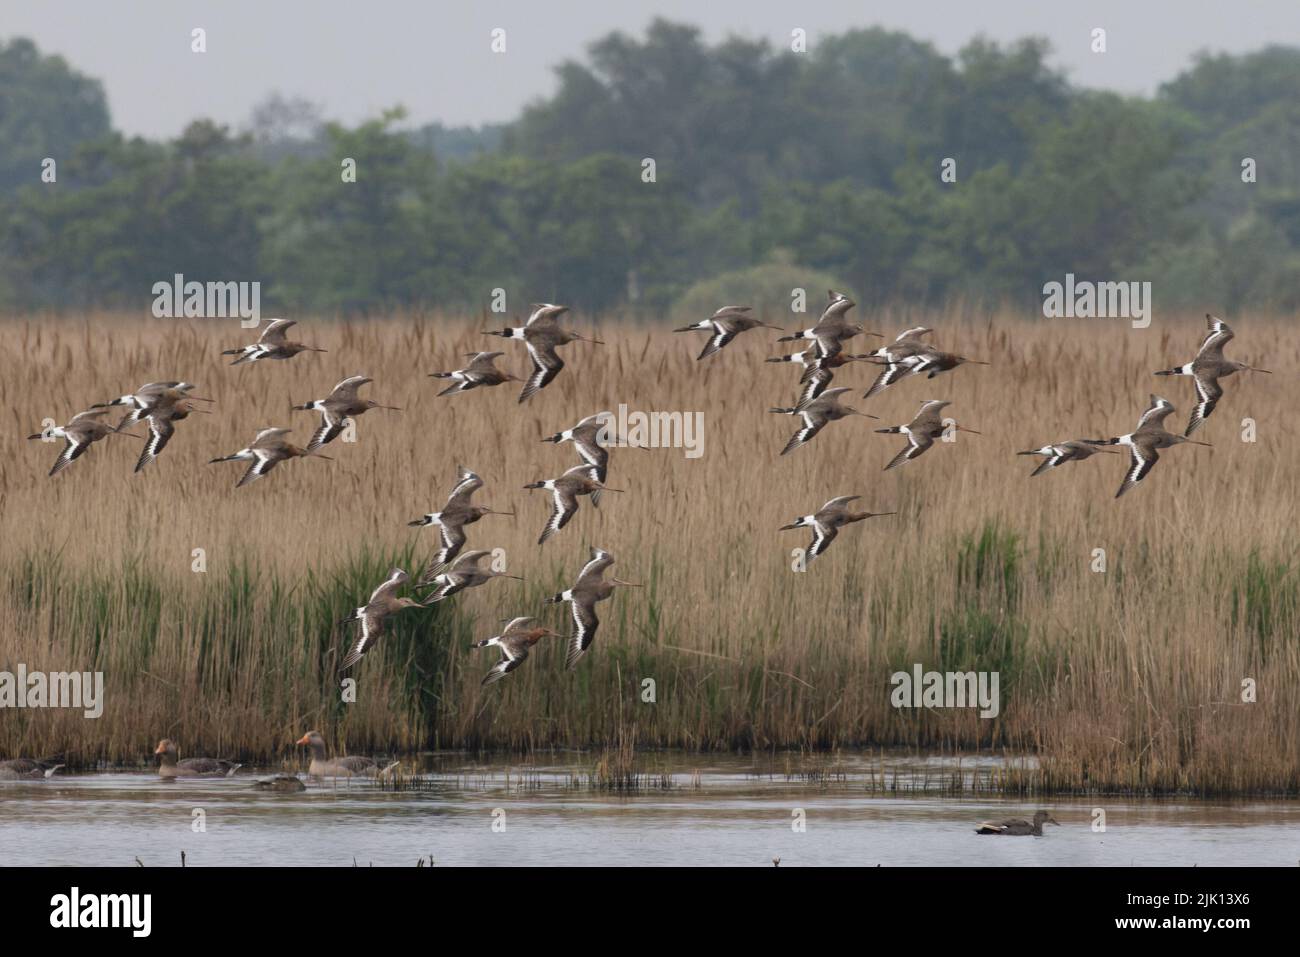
(1130, 678)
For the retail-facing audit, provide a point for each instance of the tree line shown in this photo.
(871, 159)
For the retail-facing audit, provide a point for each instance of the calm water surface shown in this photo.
(716, 810)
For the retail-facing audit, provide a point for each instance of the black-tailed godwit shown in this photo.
(815, 414)
(542, 335)
(564, 495)
(827, 521)
(268, 448)
(922, 431)
(833, 329)
(337, 407)
(160, 418)
(589, 589)
(818, 370)
(724, 325)
(456, 514)
(82, 431)
(1074, 450)
(374, 614)
(514, 642)
(272, 344)
(481, 371)
(467, 571)
(1208, 368)
(1144, 441)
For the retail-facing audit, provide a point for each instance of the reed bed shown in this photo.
(1128, 679)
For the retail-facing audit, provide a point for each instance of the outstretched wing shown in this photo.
(585, 625)
(273, 335)
(330, 428)
(160, 433)
(511, 658)
(812, 425)
(564, 506)
(262, 463)
(917, 443)
(1143, 458)
(722, 334)
(347, 389)
(546, 366)
(1208, 391)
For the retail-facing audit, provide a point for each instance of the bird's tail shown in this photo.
(784, 411)
(892, 430)
(555, 599)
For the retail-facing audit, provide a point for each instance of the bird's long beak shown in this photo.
(868, 332)
(878, 514)
(201, 411)
(392, 408)
(1206, 444)
(606, 488)
(317, 455)
(199, 398)
(589, 339)
(978, 362)
(768, 325)
(314, 349)
(619, 581)
(1265, 371)
(786, 528)
(493, 511)
(303, 740)
(962, 428)
(865, 415)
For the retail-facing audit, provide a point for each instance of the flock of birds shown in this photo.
(160, 405)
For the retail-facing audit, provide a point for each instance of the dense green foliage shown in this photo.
(827, 161)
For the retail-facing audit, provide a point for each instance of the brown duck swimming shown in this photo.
(169, 767)
(323, 766)
(1018, 826)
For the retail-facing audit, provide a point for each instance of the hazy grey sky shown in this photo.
(355, 58)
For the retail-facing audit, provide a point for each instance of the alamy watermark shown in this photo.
(208, 300)
(53, 689)
(946, 689)
(654, 430)
(1084, 299)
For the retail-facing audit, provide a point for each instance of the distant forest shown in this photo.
(771, 167)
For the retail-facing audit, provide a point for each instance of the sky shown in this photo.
(356, 58)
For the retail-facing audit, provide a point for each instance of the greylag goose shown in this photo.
(323, 766)
(170, 767)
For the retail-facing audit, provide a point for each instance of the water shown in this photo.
(718, 810)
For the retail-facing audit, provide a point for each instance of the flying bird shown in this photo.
(827, 521)
(340, 405)
(724, 325)
(1075, 450)
(1208, 368)
(1145, 441)
(81, 432)
(149, 396)
(815, 414)
(467, 571)
(374, 614)
(271, 344)
(161, 429)
(922, 431)
(481, 371)
(589, 589)
(818, 370)
(564, 494)
(833, 329)
(268, 448)
(456, 514)
(542, 335)
(515, 642)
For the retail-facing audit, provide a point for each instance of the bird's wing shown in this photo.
(160, 432)
(262, 463)
(1143, 458)
(823, 535)
(917, 442)
(812, 425)
(1157, 412)
(396, 579)
(840, 501)
(74, 445)
(565, 504)
(1220, 333)
(467, 484)
(595, 568)
(330, 428)
(722, 334)
(372, 626)
(585, 625)
(274, 333)
(453, 540)
(546, 366)
(1208, 391)
(347, 389)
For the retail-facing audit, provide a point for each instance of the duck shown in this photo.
(25, 769)
(1018, 826)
